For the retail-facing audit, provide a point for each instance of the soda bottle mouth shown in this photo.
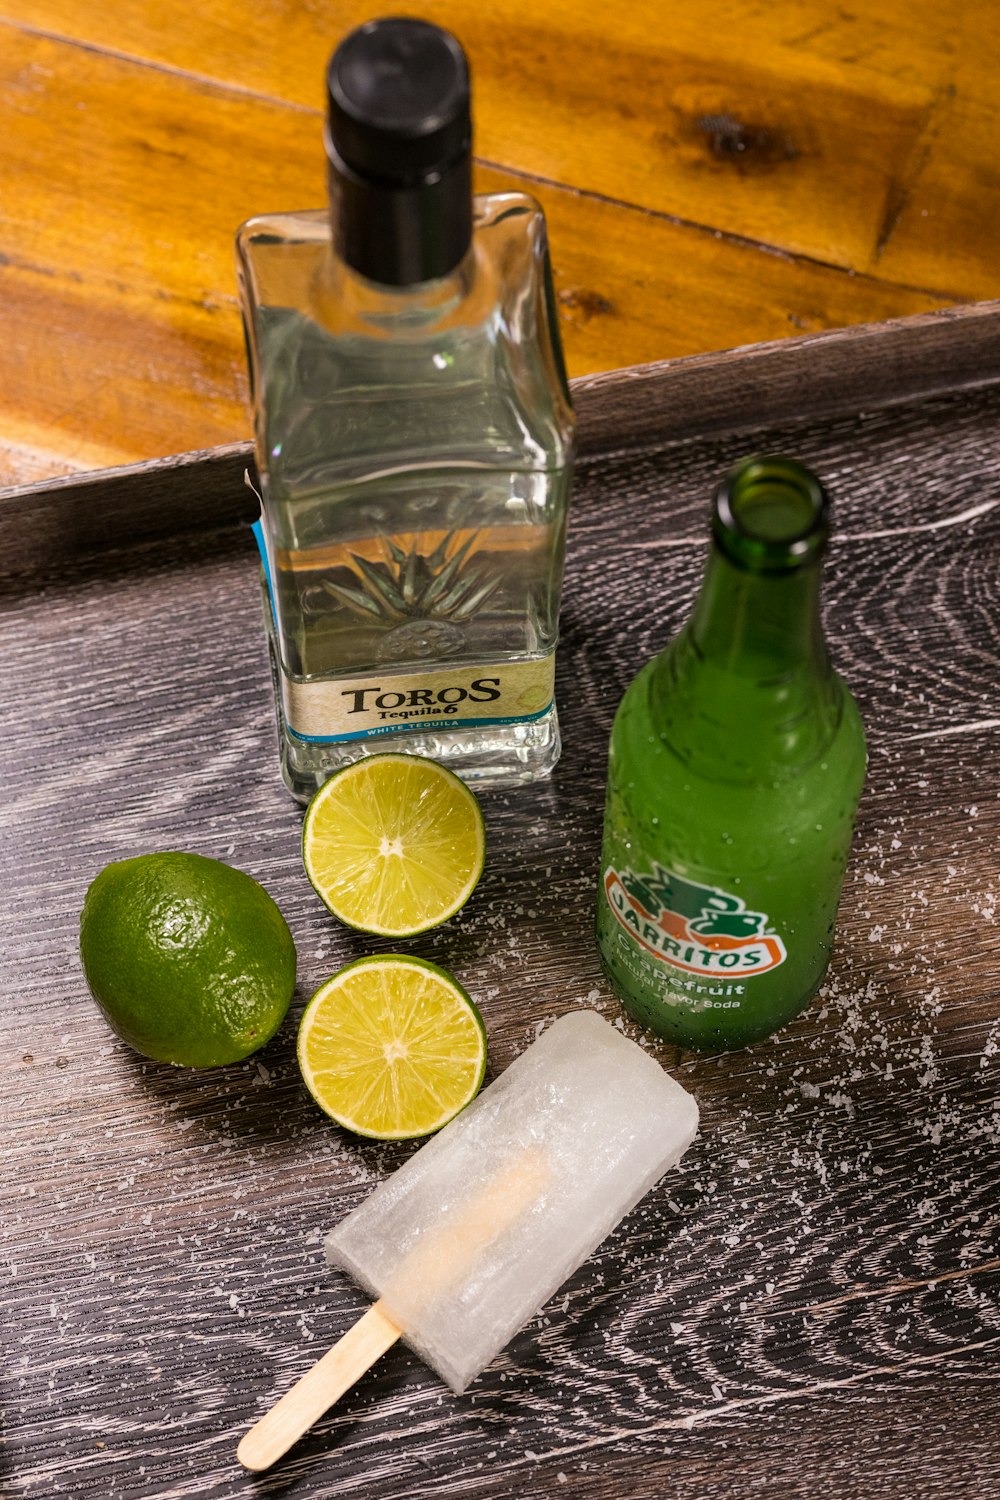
(771, 514)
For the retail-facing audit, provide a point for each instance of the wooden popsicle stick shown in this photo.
(318, 1389)
(496, 1206)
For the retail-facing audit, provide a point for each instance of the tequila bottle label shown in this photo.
(462, 697)
(360, 706)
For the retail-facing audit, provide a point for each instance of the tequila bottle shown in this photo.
(413, 435)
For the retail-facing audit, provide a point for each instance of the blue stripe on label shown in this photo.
(260, 539)
(382, 729)
(370, 734)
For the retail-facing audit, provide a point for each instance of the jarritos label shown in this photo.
(697, 928)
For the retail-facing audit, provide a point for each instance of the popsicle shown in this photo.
(470, 1238)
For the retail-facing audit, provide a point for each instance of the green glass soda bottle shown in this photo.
(737, 760)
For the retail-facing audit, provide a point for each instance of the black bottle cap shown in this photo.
(400, 147)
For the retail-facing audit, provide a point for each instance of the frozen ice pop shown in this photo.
(575, 1131)
(467, 1240)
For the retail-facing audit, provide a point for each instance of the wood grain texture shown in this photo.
(149, 346)
(333, 1374)
(795, 146)
(810, 1303)
(784, 168)
(871, 366)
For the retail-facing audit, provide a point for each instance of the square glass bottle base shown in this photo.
(489, 755)
(502, 755)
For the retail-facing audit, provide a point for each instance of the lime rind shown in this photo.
(428, 872)
(189, 959)
(474, 1063)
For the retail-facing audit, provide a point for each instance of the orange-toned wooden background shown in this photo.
(713, 174)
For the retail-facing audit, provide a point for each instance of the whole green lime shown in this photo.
(190, 960)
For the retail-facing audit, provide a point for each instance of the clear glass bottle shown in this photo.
(414, 436)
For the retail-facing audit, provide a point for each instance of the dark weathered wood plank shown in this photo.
(816, 376)
(810, 1303)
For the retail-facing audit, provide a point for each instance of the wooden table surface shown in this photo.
(713, 177)
(810, 1304)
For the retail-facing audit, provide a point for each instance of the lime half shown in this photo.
(392, 1047)
(394, 844)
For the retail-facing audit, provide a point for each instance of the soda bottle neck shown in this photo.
(746, 692)
(759, 625)
(757, 614)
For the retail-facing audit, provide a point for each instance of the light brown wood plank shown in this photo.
(122, 336)
(946, 205)
(737, 146)
(782, 124)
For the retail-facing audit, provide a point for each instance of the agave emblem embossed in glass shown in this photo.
(412, 585)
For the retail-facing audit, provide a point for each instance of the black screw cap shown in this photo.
(400, 146)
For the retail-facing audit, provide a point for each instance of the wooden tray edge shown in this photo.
(816, 375)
